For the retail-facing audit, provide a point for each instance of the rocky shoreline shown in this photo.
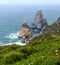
(40, 24)
(25, 33)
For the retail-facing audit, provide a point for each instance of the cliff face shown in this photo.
(54, 28)
(25, 32)
(39, 21)
(56, 25)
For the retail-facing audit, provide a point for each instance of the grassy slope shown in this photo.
(42, 50)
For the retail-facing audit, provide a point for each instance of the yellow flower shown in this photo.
(43, 57)
(27, 61)
(57, 54)
(31, 62)
(56, 44)
(56, 50)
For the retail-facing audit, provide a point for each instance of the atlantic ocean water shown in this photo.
(11, 18)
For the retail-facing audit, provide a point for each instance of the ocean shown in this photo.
(12, 15)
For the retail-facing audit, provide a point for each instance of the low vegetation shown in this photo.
(42, 50)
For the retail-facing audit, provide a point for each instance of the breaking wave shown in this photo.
(20, 43)
(17, 43)
(12, 36)
(13, 39)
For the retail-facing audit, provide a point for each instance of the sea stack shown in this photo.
(25, 32)
(39, 21)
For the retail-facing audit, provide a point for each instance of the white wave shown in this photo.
(8, 44)
(17, 43)
(12, 35)
(20, 43)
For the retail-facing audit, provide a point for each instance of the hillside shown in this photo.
(42, 50)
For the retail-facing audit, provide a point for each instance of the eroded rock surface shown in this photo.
(39, 21)
(54, 28)
(25, 32)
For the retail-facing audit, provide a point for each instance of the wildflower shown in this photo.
(27, 61)
(43, 57)
(56, 44)
(31, 62)
(57, 54)
(56, 50)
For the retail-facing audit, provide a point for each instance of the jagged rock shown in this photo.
(56, 25)
(39, 21)
(54, 28)
(47, 29)
(25, 32)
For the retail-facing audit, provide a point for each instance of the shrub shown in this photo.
(58, 63)
(25, 53)
(11, 57)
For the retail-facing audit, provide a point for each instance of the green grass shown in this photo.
(42, 50)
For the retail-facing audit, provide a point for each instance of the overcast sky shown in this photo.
(30, 1)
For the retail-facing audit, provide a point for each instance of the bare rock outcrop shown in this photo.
(54, 28)
(39, 21)
(25, 32)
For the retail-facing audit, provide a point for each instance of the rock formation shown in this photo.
(25, 32)
(54, 28)
(56, 25)
(39, 21)
(40, 24)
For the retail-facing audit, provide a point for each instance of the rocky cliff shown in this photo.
(25, 32)
(39, 21)
(54, 28)
(56, 25)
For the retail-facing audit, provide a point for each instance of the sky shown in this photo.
(29, 1)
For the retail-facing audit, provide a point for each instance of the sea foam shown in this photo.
(13, 39)
(20, 43)
(12, 36)
(17, 43)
